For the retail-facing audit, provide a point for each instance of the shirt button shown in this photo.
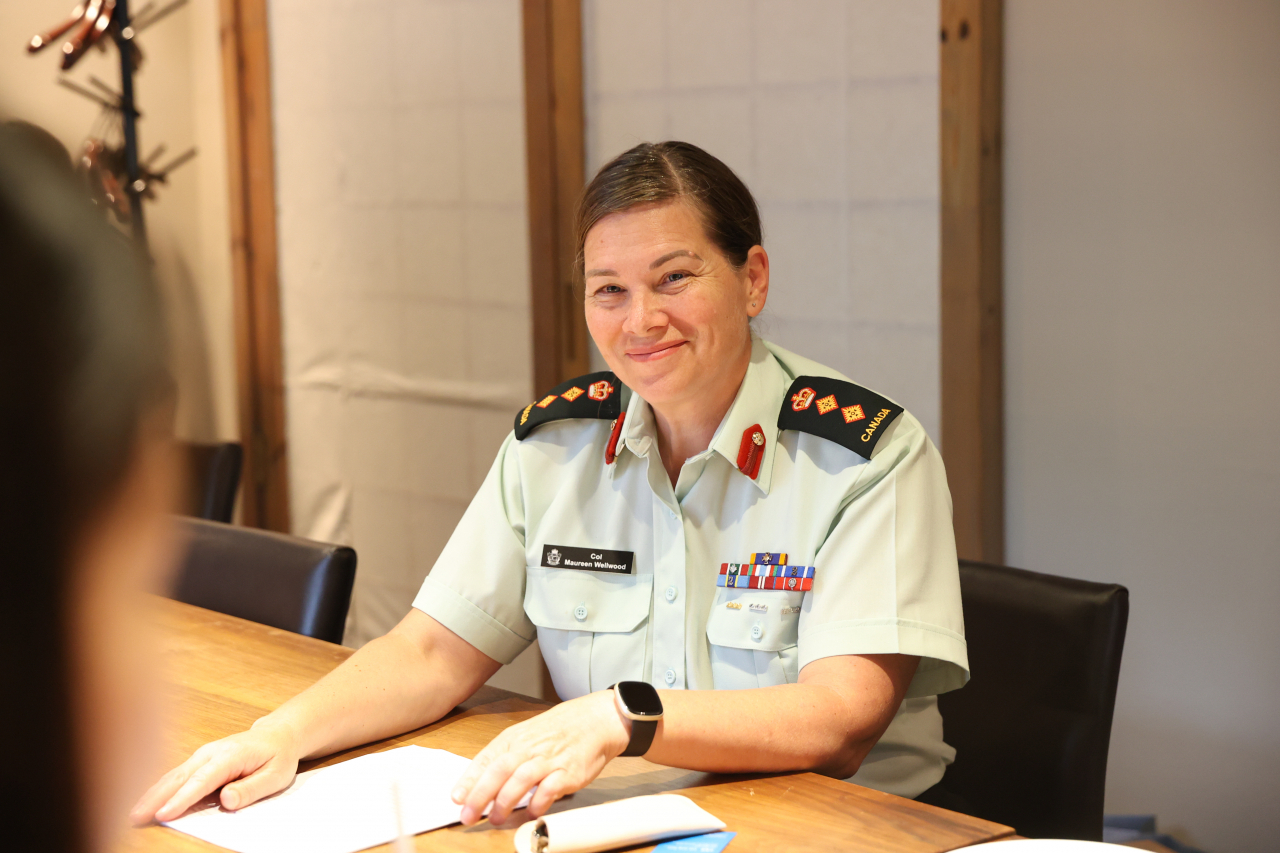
(579, 612)
(671, 676)
(672, 592)
(757, 631)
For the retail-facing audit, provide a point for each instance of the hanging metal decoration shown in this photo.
(118, 179)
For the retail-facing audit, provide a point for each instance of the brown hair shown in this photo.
(661, 171)
(82, 348)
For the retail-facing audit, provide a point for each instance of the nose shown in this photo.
(644, 313)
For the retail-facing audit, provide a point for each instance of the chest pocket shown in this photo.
(591, 626)
(754, 647)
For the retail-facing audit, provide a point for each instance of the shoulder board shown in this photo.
(838, 411)
(596, 395)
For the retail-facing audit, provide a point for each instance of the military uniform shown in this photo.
(817, 523)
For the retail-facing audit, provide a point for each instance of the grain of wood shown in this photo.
(224, 672)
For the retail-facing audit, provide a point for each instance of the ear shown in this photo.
(756, 272)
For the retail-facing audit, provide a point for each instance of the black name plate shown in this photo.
(589, 559)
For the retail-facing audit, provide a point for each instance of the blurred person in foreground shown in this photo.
(85, 414)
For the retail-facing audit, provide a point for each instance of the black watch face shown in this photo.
(640, 698)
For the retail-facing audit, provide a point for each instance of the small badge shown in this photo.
(787, 611)
(573, 393)
(588, 559)
(757, 607)
(600, 390)
(853, 413)
(546, 401)
(802, 399)
(827, 404)
(524, 416)
(734, 605)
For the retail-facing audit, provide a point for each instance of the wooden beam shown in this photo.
(971, 89)
(246, 65)
(556, 148)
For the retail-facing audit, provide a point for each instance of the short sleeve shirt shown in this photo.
(874, 535)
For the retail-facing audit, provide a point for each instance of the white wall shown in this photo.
(179, 90)
(404, 275)
(1143, 392)
(828, 110)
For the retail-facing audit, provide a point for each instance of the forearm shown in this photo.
(827, 723)
(399, 682)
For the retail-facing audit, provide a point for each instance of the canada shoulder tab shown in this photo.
(838, 411)
(596, 395)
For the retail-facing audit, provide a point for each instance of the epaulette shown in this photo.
(596, 395)
(839, 411)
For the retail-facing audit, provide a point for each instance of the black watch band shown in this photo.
(642, 732)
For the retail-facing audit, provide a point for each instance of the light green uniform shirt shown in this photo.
(877, 532)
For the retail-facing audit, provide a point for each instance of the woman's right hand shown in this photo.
(263, 759)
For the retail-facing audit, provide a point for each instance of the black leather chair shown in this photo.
(278, 580)
(213, 475)
(1032, 727)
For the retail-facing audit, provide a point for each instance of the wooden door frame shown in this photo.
(971, 97)
(246, 68)
(555, 144)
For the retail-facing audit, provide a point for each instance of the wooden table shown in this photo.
(225, 672)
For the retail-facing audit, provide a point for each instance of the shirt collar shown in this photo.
(757, 402)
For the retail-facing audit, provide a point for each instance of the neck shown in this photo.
(685, 426)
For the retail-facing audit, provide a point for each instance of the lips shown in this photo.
(656, 352)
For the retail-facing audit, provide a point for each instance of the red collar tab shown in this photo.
(751, 451)
(611, 451)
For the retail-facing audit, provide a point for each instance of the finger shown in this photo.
(517, 785)
(162, 791)
(550, 789)
(203, 781)
(273, 776)
(474, 770)
(486, 788)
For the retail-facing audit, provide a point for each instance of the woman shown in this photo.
(616, 524)
(85, 407)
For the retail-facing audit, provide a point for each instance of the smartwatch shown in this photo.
(639, 703)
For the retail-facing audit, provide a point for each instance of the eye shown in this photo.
(608, 290)
(675, 276)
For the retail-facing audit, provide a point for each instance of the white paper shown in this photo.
(341, 808)
(622, 823)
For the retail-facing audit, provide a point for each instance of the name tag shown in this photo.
(588, 559)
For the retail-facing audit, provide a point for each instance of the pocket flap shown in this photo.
(767, 628)
(577, 600)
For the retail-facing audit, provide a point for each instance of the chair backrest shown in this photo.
(213, 475)
(1032, 727)
(278, 580)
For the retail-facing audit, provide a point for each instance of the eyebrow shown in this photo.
(678, 253)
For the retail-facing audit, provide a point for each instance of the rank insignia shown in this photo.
(601, 400)
(734, 605)
(865, 415)
(802, 399)
(787, 611)
(757, 607)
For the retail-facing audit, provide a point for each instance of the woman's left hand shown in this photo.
(560, 751)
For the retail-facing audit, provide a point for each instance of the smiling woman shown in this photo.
(733, 558)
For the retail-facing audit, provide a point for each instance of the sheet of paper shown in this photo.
(342, 808)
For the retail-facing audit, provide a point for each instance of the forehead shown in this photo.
(644, 230)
